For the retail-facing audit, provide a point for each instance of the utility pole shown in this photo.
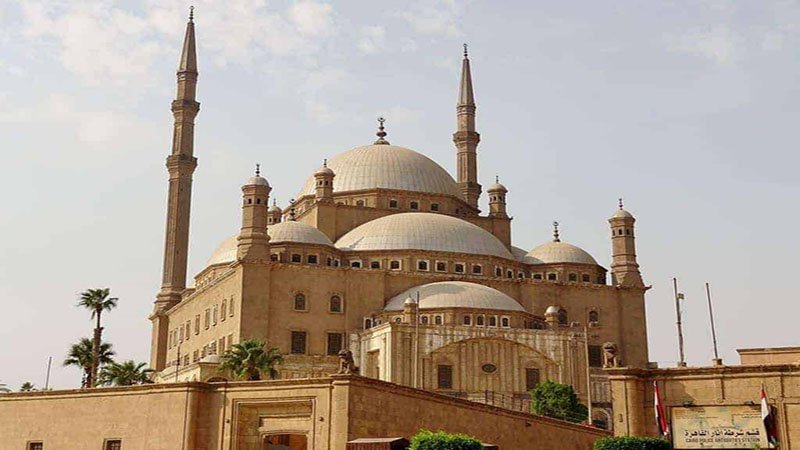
(678, 298)
(717, 360)
(47, 378)
(416, 345)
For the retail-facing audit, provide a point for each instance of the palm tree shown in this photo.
(27, 387)
(81, 355)
(249, 359)
(126, 373)
(97, 301)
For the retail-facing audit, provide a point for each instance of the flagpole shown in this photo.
(717, 360)
(682, 362)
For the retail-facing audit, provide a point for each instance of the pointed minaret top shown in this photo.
(556, 237)
(381, 133)
(258, 170)
(189, 55)
(620, 203)
(465, 94)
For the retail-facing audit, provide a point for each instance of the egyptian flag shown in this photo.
(661, 420)
(768, 418)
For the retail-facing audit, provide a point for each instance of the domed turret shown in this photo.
(274, 213)
(624, 268)
(253, 241)
(323, 180)
(497, 199)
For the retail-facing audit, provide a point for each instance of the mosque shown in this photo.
(384, 253)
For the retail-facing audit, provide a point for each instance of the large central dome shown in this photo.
(387, 167)
(423, 231)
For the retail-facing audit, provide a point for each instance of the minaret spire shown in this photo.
(466, 138)
(181, 164)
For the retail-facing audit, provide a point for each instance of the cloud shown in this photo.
(311, 18)
(434, 17)
(371, 39)
(717, 43)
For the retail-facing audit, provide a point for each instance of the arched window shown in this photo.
(367, 324)
(458, 268)
(509, 274)
(573, 277)
(498, 271)
(563, 319)
(359, 202)
(437, 320)
(393, 203)
(552, 276)
(335, 305)
(585, 278)
(299, 302)
(394, 264)
(479, 321)
(504, 322)
(424, 320)
(434, 207)
(467, 320)
(355, 264)
(422, 265)
(374, 264)
(414, 205)
(274, 257)
(477, 269)
(594, 317)
(492, 321)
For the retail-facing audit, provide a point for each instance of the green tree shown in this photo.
(558, 401)
(126, 373)
(27, 387)
(250, 359)
(97, 301)
(631, 443)
(428, 440)
(81, 354)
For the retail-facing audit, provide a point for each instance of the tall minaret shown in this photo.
(624, 268)
(180, 165)
(466, 138)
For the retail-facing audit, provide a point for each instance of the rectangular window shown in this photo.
(230, 308)
(422, 265)
(297, 258)
(207, 322)
(180, 339)
(458, 268)
(230, 341)
(531, 378)
(221, 345)
(197, 324)
(188, 327)
(35, 445)
(215, 315)
(444, 376)
(595, 356)
(393, 203)
(434, 207)
(374, 264)
(113, 444)
(477, 269)
(224, 310)
(414, 205)
(441, 266)
(355, 264)
(298, 342)
(335, 341)
(212, 348)
(311, 259)
(394, 265)
(195, 356)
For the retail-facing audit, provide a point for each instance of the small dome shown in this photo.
(423, 231)
(409, 301)
(387, 167)
(257, 181)
(455, 294)
(275, 208)
(324, 171)
(553, 309)
(497, 187)
(621, 213)
(559, 252)
(280, 232)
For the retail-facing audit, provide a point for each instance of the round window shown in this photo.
(489, 368)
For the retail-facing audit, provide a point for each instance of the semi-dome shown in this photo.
(559, 252)
(423, 231)
(387, 167)
(455, 294)
(280, 232)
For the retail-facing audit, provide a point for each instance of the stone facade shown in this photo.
(314, 414)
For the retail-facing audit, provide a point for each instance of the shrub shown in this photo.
(428, 440)
(631, 443)
(558, 401)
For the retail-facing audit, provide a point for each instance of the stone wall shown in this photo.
(324, 412)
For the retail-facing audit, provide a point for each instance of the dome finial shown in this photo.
(381, 132)
(258, 170)
(620, 203)
(325, 162)
(497, 179)
(191, 14)
(291, 210)
(274, 202)
(556, 237)
(466, 55)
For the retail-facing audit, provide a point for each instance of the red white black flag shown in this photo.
(768, 418)
(661, 420)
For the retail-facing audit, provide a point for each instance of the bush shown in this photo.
(558, 401)
(631, 443)
(428, 440)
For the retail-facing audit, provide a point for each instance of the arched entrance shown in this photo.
(285, 442)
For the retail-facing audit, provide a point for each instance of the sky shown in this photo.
(687, 109)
